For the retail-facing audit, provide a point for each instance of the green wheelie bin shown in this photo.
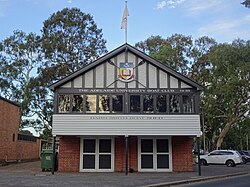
(46, 159)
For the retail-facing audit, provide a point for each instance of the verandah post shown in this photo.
(54, 156)
(126, 141)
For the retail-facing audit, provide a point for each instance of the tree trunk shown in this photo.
(224, 133)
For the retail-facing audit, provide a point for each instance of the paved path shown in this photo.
(29, 174)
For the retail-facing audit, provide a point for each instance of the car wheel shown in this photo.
(230, 163)
(203, 162)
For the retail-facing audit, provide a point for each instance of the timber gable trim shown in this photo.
(126, 47)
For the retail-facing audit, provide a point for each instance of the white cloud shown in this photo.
(69, 1)
(247, 18)
(169, 3)
(199, 6)
(3, 6)
(227, 29)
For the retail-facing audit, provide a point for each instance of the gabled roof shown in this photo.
(11, 102)
(136, 52)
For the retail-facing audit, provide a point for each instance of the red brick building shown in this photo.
(126, 112)
(14, 146)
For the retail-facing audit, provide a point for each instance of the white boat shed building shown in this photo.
(126, 112)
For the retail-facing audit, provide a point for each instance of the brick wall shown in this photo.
(10, 148)
(28, 150)
(133, 153)
(69, 154)
(182, 153)
(120, 154)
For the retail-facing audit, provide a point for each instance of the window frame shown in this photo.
(155, 153)
(97, 154)
(126, 108)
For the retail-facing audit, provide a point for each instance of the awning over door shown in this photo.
(171, 125)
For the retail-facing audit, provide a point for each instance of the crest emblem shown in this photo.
(126, 71)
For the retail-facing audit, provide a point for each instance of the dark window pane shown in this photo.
(188, 104)
(89, 146)
(162, 161)
(135, 102)
(174, 102)
(105, 146)
(88, 161)
(90, 104)
(117, 103)
(105, 162)
(161, 104)
(226, 153)
(77, 105)
(147, 146)
(162, 145)
(148, 103)
(63, 103)
(215, 153)
(104, 106)
(147, 161)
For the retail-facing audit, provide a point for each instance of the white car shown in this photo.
(228, 157)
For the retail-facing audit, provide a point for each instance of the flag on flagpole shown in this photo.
(125, 18)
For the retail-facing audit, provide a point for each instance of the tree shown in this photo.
(178, 49)
(173, 51)
(20, 56)
(151, 45)
(46, 134)
(222, 68)
(227, 96)
(200, 66)
(71, 40)
(246, 3)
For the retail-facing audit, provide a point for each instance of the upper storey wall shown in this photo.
(109, 75)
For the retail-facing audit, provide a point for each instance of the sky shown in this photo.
(223, 20)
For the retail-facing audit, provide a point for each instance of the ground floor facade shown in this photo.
(109, 153)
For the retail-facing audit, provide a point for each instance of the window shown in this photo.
(135, 103)
(188, 104)
(226, 153)
(215, 153)
(147, 153)
(174, 103)
(148, 103)
(105, 154)
(97, 154)
(89, 153)
(161, 103)
(90, 104)
(117, 103)
(162, 153)
(64, 103)
(104, 104)
(154, 154)
(77, 105)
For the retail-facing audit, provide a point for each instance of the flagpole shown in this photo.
(126, 30)
(126, 35)
(125, 21)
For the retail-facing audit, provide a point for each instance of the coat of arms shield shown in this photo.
(126, 71)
